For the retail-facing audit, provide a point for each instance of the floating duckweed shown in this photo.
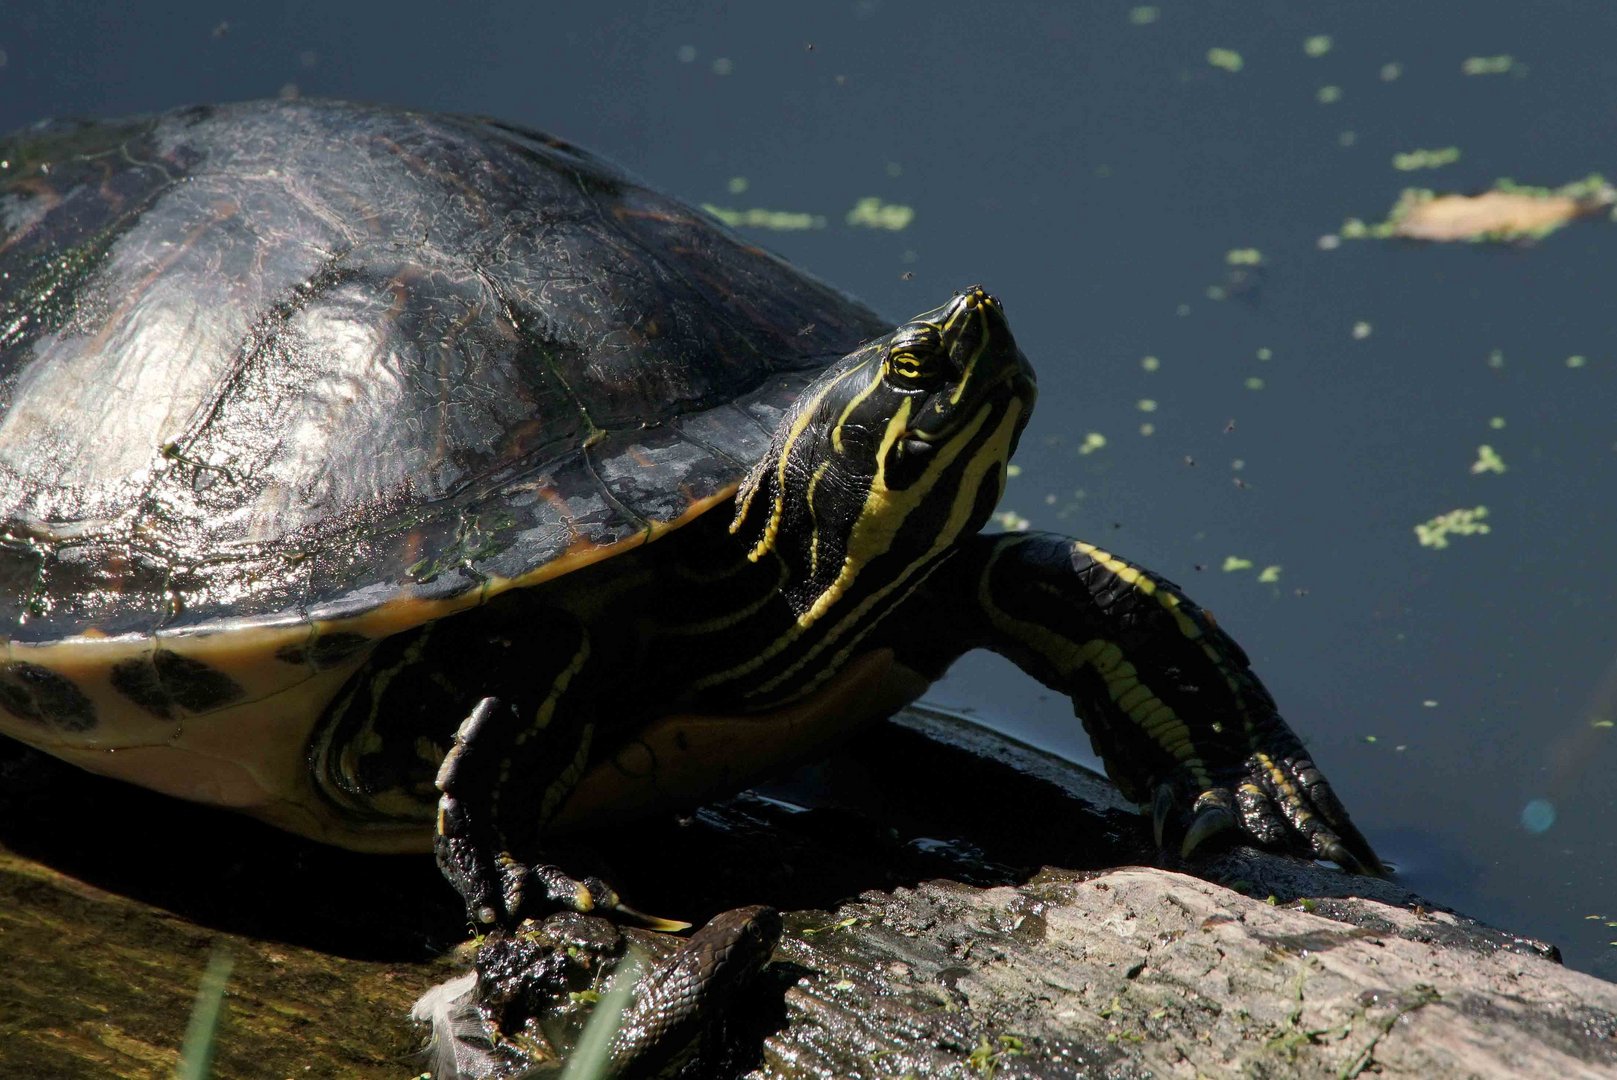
(686, 54)
(1488, 65)
(1576, 361)
(1436, 532)
(1391, 71)
(1150, 363)
(1216, 292)
(1328, 95)
(1146, 405)
(1233, 563)
(1093, 441)
(1496, 422)
(1426, 159)
(1265, 354)
(1013, 470)
(1594, 186)
(1144, 15)
(737, 185)
(1361, 330)
(1011, 521)
(1496, 359)
(1269, 574)
(1254, 382)
(1148, 429)
(723, 66)
(1346, 139)
(1228, 59)
(757, 218)
(872, 213)
(1244, 257)
(1317, 45)
(1487, 461)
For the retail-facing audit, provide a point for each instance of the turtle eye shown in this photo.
(907, 366)
(915, 359)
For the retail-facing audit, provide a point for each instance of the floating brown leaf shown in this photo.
(1493, 215)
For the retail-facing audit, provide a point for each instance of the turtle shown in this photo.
(425, 482)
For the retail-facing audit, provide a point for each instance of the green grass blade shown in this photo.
(196, 1053)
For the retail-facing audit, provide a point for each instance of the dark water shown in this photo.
(1095, 169)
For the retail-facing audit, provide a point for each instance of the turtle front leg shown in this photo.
(514, 761)
(1169, 700)
(500, 783)
(471, 842)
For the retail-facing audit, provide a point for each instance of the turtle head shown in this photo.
(889, 457)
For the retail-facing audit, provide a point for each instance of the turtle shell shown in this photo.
(281, 378)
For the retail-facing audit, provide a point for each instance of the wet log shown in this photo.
(962, 953)
(1141, 971)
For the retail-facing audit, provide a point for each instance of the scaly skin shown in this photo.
(856, 533)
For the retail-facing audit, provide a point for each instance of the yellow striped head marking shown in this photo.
(889, 458)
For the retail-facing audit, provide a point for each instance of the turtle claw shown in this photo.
(1280, 803)
(1209, 822)
(1161, 807)
(651, 922)
(586, 895)
(1291, 787)
(1335, 850)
